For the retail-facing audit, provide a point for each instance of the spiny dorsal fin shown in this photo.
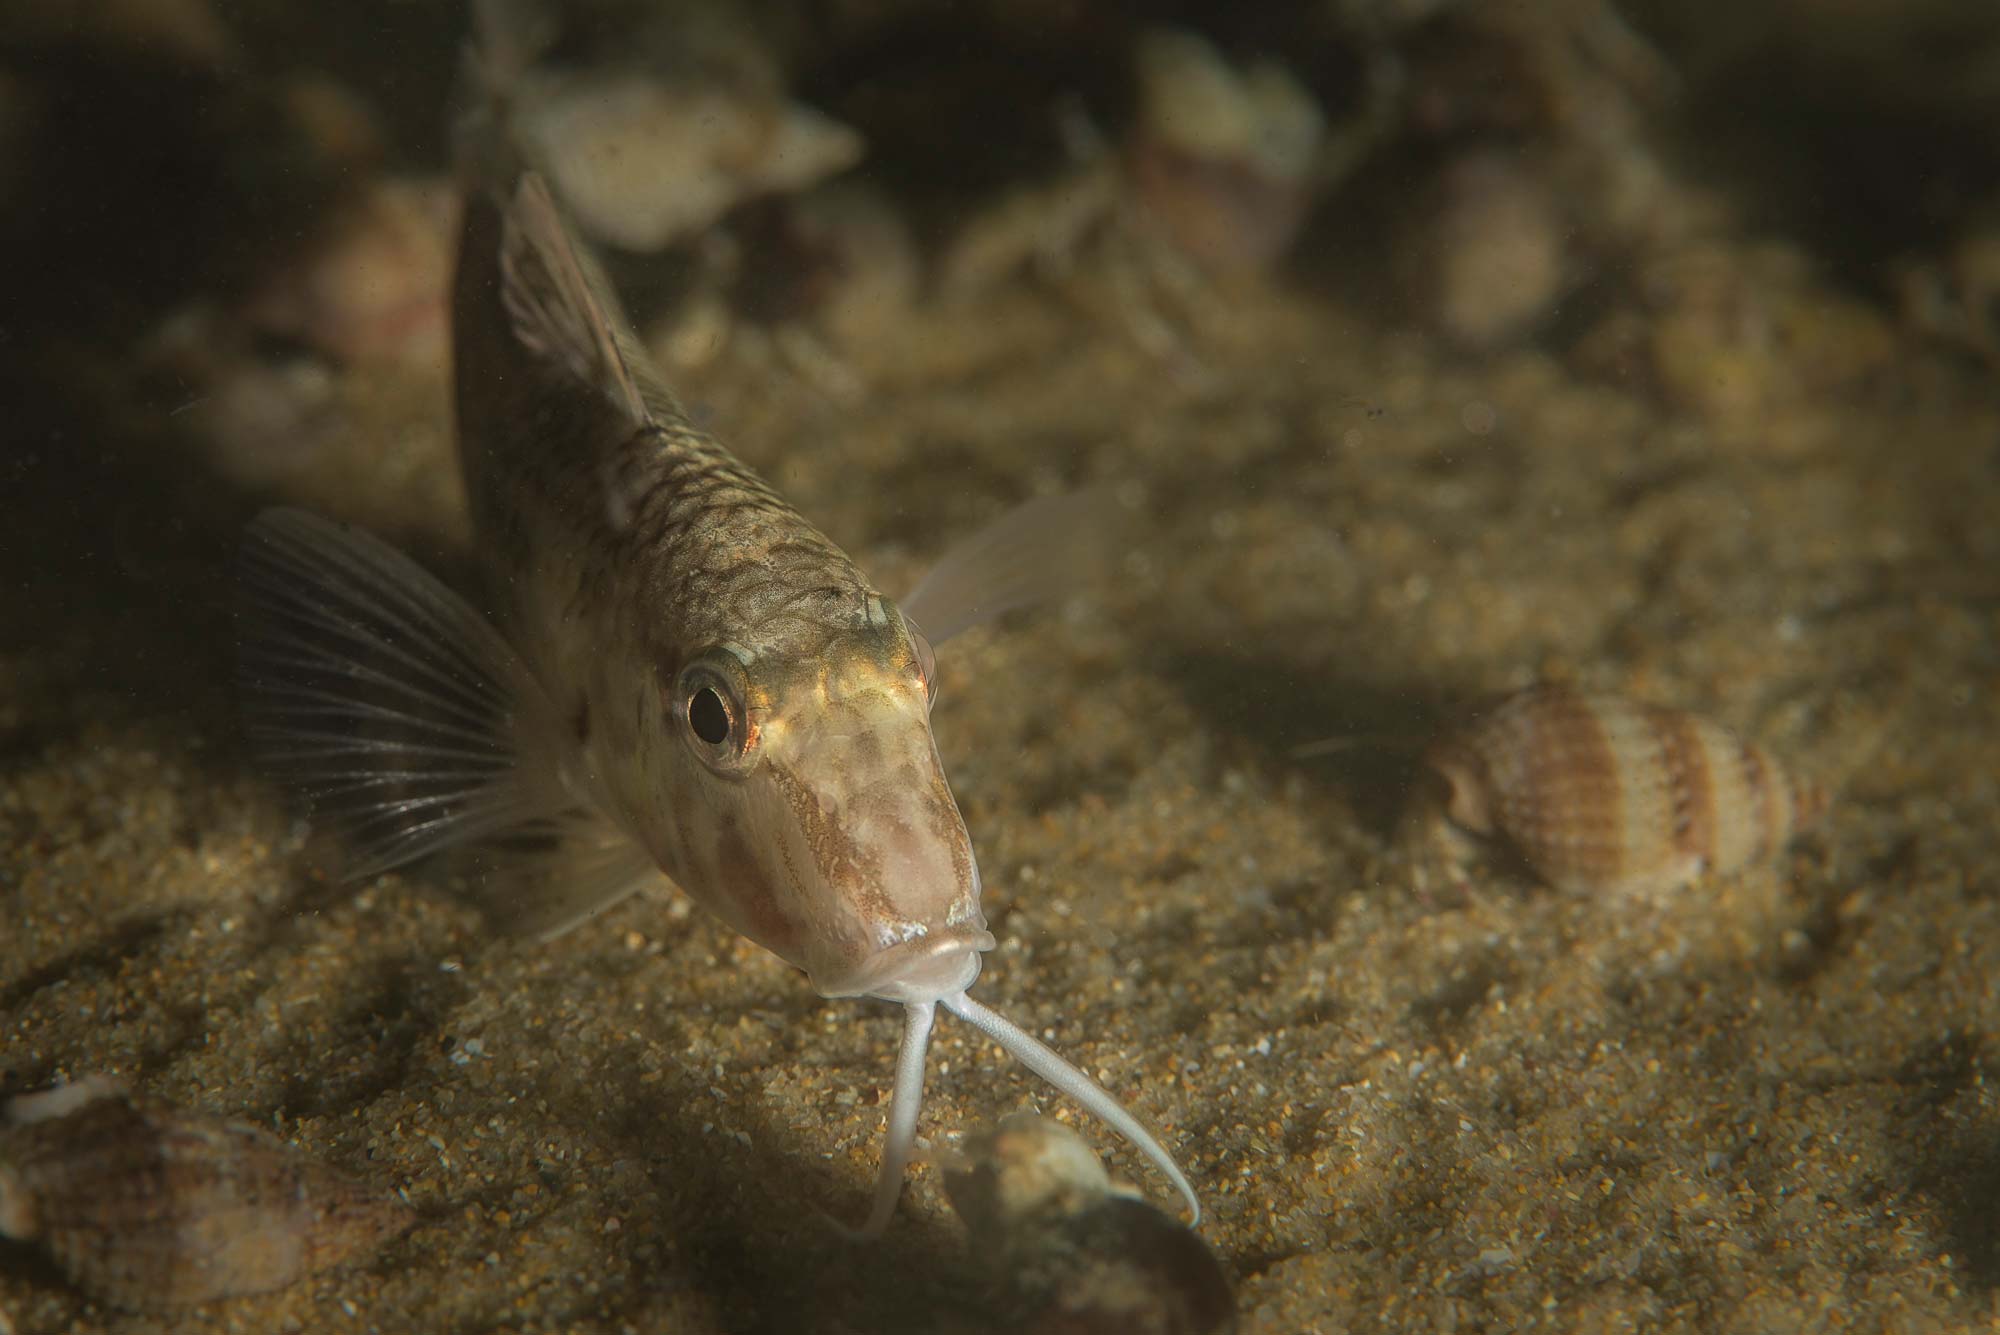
(560, 306)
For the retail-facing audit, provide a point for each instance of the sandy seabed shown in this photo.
(1754, 1105)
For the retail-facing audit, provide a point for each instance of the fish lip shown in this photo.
(916, 970)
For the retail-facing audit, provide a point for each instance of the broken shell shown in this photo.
(1025, 1167)
(1078, 1256)
(1222, 159)
(1132, 1270)
(644, 163)
(1598, 792)
(147, 1207)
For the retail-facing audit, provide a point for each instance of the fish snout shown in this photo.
(938, 963)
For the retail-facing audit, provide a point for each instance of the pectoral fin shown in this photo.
(552, 876)
(410, 726)
(1043, 549)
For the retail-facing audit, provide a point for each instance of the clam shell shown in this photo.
(1602, 793)
(645, 163)
(147, 1207)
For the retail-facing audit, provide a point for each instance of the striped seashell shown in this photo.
(147, 1207)
(1601, 793)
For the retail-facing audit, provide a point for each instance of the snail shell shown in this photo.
(1079, 1256)
(1599, 792)
(147, 1207)
(1222, 158)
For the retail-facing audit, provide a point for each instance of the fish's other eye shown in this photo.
(926, 663)
(708, 716)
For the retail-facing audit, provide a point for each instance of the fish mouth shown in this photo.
(924, 968)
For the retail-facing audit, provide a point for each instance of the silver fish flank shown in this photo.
(681, 675)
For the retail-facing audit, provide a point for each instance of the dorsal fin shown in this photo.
(559, 304)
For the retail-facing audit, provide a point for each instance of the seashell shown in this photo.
(648, 151)
(1077, 1255)
(147, 1207)
(1487, 263)
(1599, 792)
(1222, 159)
(644, 163)
(1026, 1167)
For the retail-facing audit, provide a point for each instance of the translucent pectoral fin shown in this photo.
(1041, 550)
(554, 875)
(382, 698)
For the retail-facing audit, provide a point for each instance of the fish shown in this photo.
(678, 676)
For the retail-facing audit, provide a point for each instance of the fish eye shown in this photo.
(708, 716)
(708, 697)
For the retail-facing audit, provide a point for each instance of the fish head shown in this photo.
(835, 841)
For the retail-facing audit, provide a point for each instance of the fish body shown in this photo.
(657, 587)
(681, 674)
